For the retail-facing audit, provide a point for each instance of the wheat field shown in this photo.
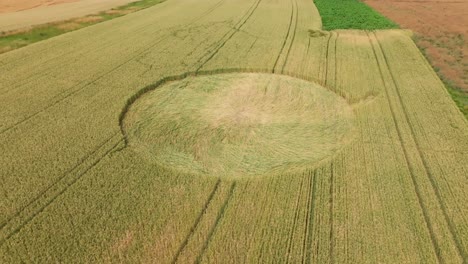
(222, 131)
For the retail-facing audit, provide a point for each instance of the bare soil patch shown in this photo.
(9, 6)
(441, 28)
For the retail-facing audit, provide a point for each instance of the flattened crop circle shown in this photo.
(238, 124)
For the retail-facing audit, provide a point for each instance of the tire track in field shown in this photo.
(106, 45)
(85, 84)
(331, 179)
(81, 161)
(196, 223)
(83, 51)
(427, 170)
(306, 191)
(207, 12)
(296, 216)
(327, 51)
(336, 67)
(293, 37)
(53, 191)
(310, 220)
(221, 212)
(64, 44)
(285, 39)
(216, 45)
(405, 154)
(331, 220)
(231, 34)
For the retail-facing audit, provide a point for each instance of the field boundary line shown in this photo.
(197, 221)
(427, 169)
(221, 212)
(42, 205)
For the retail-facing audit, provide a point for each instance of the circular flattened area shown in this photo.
(239, 124)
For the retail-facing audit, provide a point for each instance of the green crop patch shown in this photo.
(351, 14)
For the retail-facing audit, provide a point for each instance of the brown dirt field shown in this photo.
(8, 6)
(441, 28)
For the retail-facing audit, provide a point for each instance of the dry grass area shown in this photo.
(81, 114)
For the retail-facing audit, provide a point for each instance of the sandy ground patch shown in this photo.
(441, 28)
(9, 6)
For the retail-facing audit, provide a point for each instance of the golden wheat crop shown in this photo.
(361, 154)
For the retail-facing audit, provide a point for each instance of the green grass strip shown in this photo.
(458, 95)
(351, 14)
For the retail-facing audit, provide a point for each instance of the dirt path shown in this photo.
(50, 11)
(441, 28)
(9, 6)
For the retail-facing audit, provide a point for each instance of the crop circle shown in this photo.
(238, 124)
